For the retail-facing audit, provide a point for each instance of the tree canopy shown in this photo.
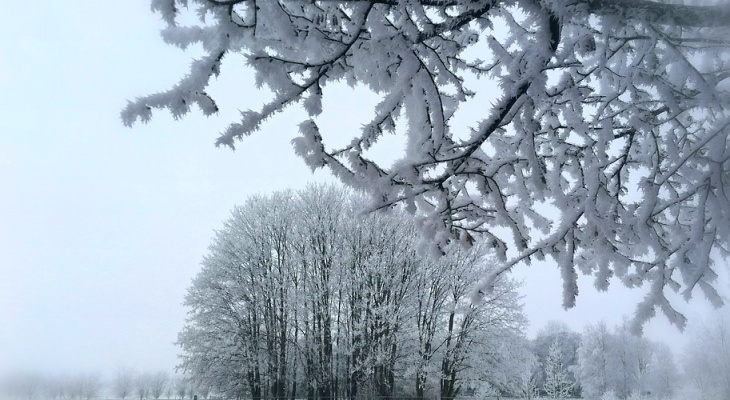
(604, 145)
(300, 297)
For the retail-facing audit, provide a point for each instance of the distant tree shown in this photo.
(182, 387)
(557, 384)
(24, 385)
(663, 380)
(75, 387)
(706, 359)
(56, 387)
(203, 390)
(123, 383)
(90, 386)
(157, 384)
(142, 385)
(516, 370)
(643, 366)
(624, 365)
(171, 387)
(595, 365)
(568, 340)
(615, 113)
(526, 385)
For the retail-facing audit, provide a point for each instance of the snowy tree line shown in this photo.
(32, 386)
(301, 297)
(124, 384)
(599, 363)
(613, 363)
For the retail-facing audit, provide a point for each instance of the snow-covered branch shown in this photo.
(602, 144)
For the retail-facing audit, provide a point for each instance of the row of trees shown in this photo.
(126, 384)
(619, 362)
(614, 364)
(299, 297)
(605, 363)
(707, 360)
(597, 364)
(32, 385)
(154, 385)
(600, 361)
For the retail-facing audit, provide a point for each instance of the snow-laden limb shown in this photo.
(614, 113)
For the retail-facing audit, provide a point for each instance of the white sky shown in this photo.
(102, 227)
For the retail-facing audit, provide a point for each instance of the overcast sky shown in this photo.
(102, 227)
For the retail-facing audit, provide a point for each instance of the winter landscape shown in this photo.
(365, 199)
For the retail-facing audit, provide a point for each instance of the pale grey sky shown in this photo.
(102, 227)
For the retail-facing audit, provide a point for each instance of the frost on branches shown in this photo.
(605, 147)
(557, 383)
(300, 298)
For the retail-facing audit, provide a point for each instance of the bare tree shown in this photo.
(300, 297)
(124, 383)
(664, 377)
(56, 387)
(74, 387)
(171, 388)
(596, 367)
(622, 364)
(142, 385)
(157, 384)
(90, 386)
(23, 385)
(203, 390)
(707, 358)
(182, 387)
(526, 385)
